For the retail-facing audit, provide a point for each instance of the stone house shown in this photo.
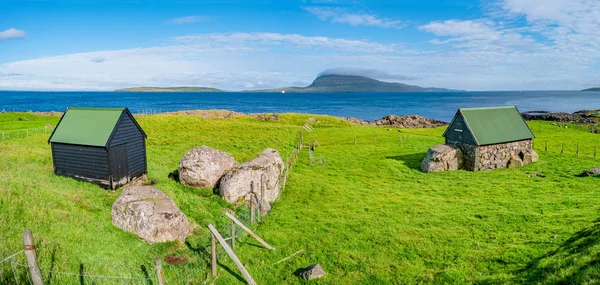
(491, 138)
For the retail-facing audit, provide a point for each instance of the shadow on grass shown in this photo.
(576, 261)
(413, 161)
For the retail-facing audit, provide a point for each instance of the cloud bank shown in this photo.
(12, 33)
(513, 45)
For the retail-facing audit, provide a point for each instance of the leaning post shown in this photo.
(32, 262)
(213, 254)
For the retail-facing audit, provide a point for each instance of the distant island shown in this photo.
(592, 89)
(330, 83)
(169, 89)
(333, 83)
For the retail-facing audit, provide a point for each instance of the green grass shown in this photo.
(369, 216)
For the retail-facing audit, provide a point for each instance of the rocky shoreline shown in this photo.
(584, 117)
(580, 117)
(407, 122)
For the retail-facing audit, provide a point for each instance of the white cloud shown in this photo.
(343, 15)
(525, 45)
(477, 34)
(251, 41)
(188, 20)
(12, 33)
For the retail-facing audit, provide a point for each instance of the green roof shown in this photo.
(494, 125)
(86, 126)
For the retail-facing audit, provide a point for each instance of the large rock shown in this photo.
(150, 214)
(203, 166)
(530, 157)
(515, 161)
(442, 157)
(267, 167)
(312, 272)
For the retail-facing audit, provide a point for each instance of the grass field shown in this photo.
(368, 216)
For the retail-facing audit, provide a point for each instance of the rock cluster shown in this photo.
(150, 214)
(580, 117)
(409, 122)
(255, 181)
(203, 167)
(442, 157)
(262, 171)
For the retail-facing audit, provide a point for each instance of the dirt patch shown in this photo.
(174, 260)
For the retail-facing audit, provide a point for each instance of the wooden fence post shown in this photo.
(32, 262)
(159, 272)
(232, 235)
(243, 227)
(213, 254)
(232, 255)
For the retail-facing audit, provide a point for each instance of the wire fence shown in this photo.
(14, 268)
(24, 133)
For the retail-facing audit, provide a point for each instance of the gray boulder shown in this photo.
(515, 161)
(203, 166)
(530, 157)
(150, 214)
(442, 157)
(590, 172)
(263, 170)
(312, 272)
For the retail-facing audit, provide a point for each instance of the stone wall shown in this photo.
(497, 155)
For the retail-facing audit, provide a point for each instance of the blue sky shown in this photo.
(236, 45)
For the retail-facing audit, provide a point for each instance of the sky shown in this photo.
(238, 45)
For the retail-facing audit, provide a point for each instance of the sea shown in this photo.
(367, 106)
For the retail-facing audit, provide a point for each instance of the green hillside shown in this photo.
(169, 89)
(364, 211)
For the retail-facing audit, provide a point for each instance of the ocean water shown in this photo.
(366, 106)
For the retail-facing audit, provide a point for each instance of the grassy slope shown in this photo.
(370, 216)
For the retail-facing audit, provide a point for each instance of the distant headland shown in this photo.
(597, 89)
(169, 89)
(322, 84)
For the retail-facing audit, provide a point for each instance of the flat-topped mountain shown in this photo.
(592, 89)
(169, 89)
(352, 83)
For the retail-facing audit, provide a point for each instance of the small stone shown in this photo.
(590, 172)
(312, 272)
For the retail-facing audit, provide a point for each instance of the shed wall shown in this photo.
(80, 161)
(459, 132)
(492, 156)
(127, 132)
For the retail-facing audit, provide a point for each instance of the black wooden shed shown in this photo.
(102, 145)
